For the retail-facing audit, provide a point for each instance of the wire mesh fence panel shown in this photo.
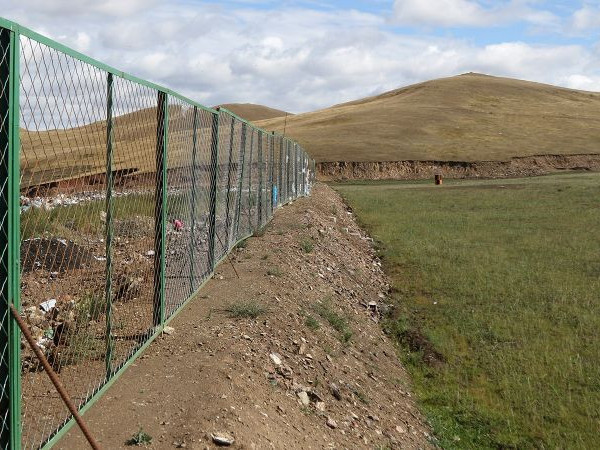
(181, 203)
(244, 223)
(4, 237)
(63, 263)
(202, 171)
(129, 195)
(134, 219)
(253, 181)
(239, 143)
(230, 146)
(223, 176)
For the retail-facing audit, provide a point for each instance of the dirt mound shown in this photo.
(53, 255)
(415, 170)
(288, 355)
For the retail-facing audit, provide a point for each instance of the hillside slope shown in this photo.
(470, 117)
(252, 112)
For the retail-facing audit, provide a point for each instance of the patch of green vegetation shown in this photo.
(312, 323)
(307, 245)
(337, 322)
(500, 279)
(139, 438)
(91, 307)
(361, 396)
(245, 310)
(274, 271)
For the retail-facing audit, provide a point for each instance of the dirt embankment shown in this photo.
(415, 170)
(312, 370)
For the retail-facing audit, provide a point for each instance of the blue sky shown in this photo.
(304, 55)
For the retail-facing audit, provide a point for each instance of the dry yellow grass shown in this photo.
(252, 112)
(470, 117)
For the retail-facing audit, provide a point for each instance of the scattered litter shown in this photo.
(48, 305)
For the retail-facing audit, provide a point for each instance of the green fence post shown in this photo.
(227, 201)
(10, 148)
(109, 223)
(241, 180)
(160, 225)
(193, 205)
(214, 163)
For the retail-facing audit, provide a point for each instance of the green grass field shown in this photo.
(497, 294)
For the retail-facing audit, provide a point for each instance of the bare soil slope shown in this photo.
(253, 112)
(470, 117)
(248, 377)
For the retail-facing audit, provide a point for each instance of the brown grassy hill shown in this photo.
(252, 112)
(470, 117)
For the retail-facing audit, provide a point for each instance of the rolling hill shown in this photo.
(252, 112)
(470, 117)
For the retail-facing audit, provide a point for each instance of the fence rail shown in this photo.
(118, 198)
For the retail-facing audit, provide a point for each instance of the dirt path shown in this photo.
(317, 341)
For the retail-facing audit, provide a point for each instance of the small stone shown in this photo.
(302, 349)
(335, 391)
(169, 330)
(400, 429)
(320, 406)
(275, 358)
(331, 423)
(222, 439)
(303, 396)
(150, 253)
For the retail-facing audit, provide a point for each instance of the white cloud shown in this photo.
(292, 58)
(586, 18)
(471, 13)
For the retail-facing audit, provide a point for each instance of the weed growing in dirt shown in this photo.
(139, 438)
(245, 310)
(91, 307)
(307, 245)
(338, 323)
(312, 323)
(274, 271)
(496, 288)
(361, 396)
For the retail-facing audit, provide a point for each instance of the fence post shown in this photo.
(280, 173)
(214, 163)
(193, 205)
(160, 226)
(260, 180)
(10, 289)
(109, 223)
(227, 201)
(241, 180)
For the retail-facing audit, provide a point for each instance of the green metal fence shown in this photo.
(118, 198)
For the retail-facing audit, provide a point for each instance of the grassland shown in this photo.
(497, 289)
(252, 112)
(470, 117)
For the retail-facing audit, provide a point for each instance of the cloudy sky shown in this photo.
(304, 55)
